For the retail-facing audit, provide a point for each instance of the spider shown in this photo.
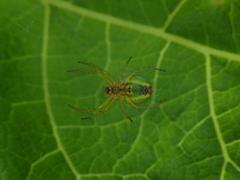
(128, 90)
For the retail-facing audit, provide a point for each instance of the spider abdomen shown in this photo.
(139, 89)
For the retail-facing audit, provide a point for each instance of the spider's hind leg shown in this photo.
(122, 108)
(100, 109)
(142, 71)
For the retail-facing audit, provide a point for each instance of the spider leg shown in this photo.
(131, 103)
(128, 61)
(100, 109)
(122, 108)
(106, 105)
(134, 104)
(144, 70)
(93, 69)
(124, 69)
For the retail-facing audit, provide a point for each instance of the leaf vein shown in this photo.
(145, 29)
(214, 117)
(158, 65)
(46, 25)
(173, 14)
(41, 159)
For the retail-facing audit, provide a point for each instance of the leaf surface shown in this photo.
(193, 134)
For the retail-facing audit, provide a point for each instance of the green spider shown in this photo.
(128, 90)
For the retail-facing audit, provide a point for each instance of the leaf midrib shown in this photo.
(158, 32)
(46, 21)
(220, 138)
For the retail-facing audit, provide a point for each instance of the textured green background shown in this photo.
(195, 134)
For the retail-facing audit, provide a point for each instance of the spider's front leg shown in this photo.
(93, 69)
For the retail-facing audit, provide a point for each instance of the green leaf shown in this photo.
(193, 134)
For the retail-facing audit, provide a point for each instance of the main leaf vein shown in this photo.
(214, 118)
(46, 21)
(144, 29)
